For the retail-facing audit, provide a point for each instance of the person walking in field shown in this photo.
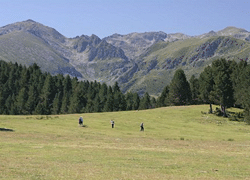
(142, 126)
(112, 123)
(80, 121)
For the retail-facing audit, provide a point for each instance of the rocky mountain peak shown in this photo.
(231, 30)
(44, 32)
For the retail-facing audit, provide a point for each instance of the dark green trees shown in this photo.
(242, 94)
(179, 89)
(206, 83)
(222, 92)
(145, 102)
(194, 87)
(216, 84)
(163, 98)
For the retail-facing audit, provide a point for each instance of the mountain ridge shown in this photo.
(139, 62)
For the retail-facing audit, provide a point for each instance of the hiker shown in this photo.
(80, 121)
(112, 123)
(142, 127)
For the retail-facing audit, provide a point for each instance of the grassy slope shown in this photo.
(26, 49)
(56, 148)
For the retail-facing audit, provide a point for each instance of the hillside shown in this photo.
(158, 64)
(138, 61)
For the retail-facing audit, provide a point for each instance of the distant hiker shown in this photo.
(142, 127)
(80, 121)
(112, 123)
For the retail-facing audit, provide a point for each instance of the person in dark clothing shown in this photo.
(142, 126)
(80, 121)
(112, 123)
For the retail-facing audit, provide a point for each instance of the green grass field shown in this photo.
(178, 143)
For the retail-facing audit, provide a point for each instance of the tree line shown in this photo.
(29, 91)
(224, 83)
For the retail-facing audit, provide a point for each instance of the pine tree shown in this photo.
(145, 102)
(21, 100)
(75, 101)
(48, 94)
(206, 83)
(25, 76)
(56, 104)
(103, 94)
(136, 101)
(163, 98)
(243, 91)
(179, 89)
(129, 100)
(40, 109)
(89, 106)
(222, 92)
(108, 107)
(67, 85)
(116, 87)
(194, 87)
(237, 79)
(153, 102)
(10, 105)
(32, 99)
(117, 101)
(65, 103)
(97, 104)
(123, 104)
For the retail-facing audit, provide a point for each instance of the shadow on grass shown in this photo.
(83, 126)
(5, 129)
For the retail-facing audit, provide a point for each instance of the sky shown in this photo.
(105, 17)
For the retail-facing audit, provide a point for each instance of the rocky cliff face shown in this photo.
(135, 44)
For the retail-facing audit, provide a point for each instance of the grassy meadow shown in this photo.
(178, 143)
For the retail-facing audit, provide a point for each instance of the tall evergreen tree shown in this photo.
(162, 100)
(129, 100)
(89, 106)
(75, 101)
(179, 89)
(32, 99)
(108, 107)
(21, 100)
(103, 95)
(116, 87)
(48, 94)
(56, 104)
(117, 101)
(153, 102)
(145, 102)
(237, 78)
(194, 87)
(136, 101)
(97, 104)
(65, 103)
(223, 88)
(243, 92)
(206, 83)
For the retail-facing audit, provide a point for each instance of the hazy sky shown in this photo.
(106, 17)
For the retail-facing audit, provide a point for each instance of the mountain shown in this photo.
(237, 33)
(158, 64)
(134, 44)
(30, 42)
(139, 62)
